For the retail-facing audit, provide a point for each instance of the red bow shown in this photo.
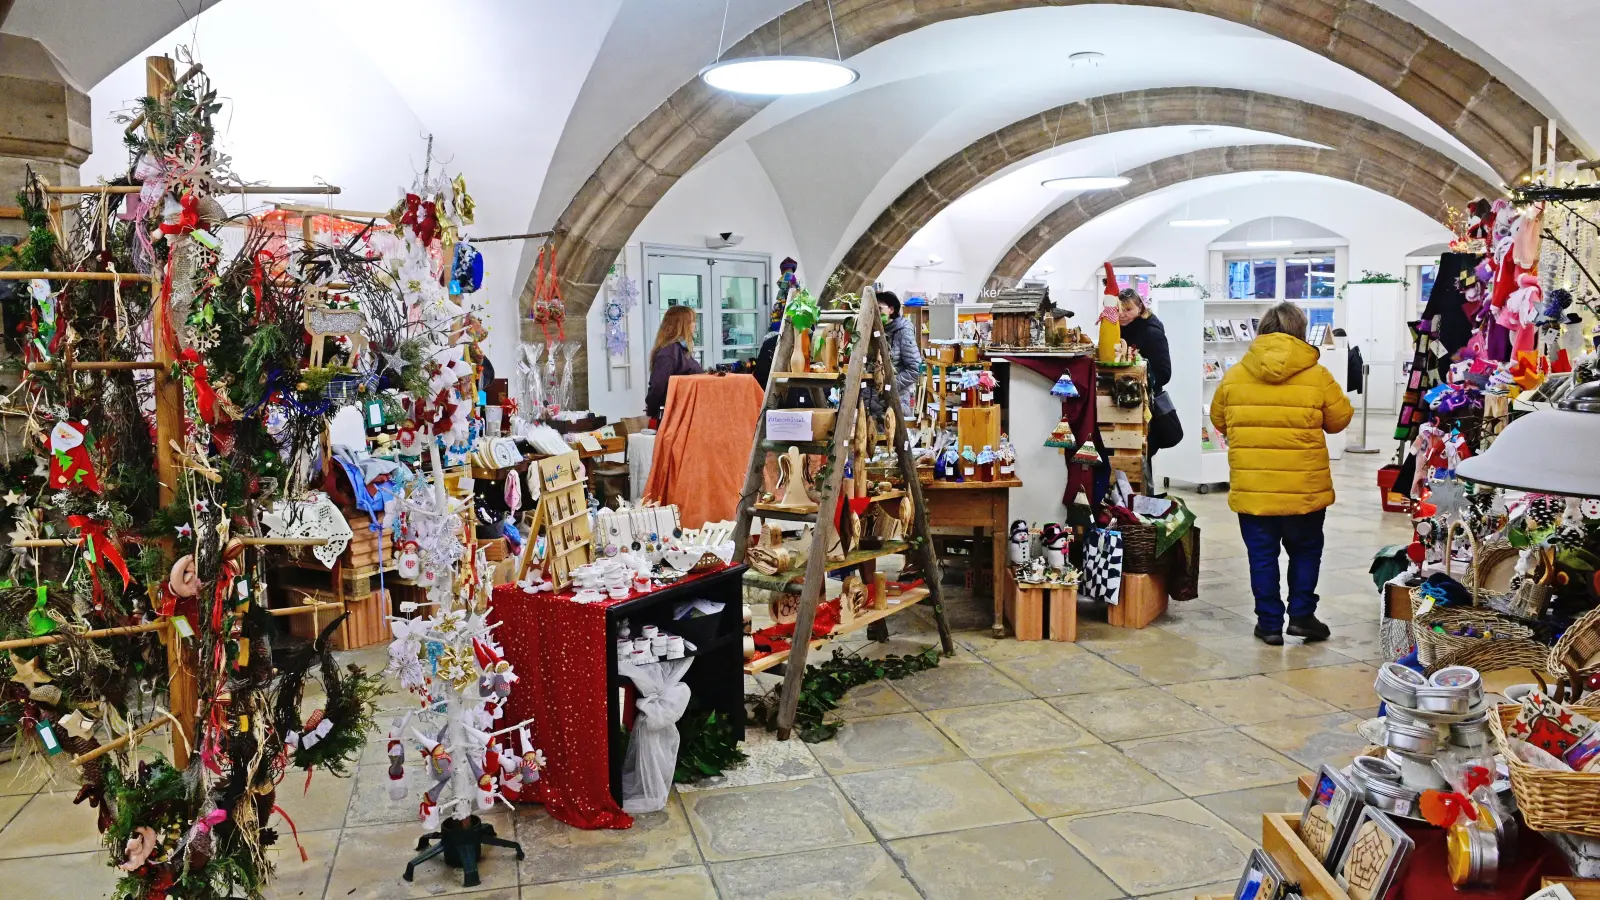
(103, 550)
(205, 396)
(423, 218)
(188, 219)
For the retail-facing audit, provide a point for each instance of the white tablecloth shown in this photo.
(641, 451)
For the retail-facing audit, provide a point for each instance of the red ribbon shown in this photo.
(205, 396)
(103, 551)
(292, 830)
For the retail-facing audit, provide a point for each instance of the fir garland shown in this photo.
(825, 685)
(707, 746)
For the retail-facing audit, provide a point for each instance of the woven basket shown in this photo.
(1138, 549)
(1433, 645)
(1578, 651)
(1493, 656)
(1550, 801)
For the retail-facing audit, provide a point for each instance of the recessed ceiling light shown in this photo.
(1086, 58)
(1198, 223)
(772, 76)
(1086, 182)
(1279, 243)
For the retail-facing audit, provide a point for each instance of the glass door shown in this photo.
(743, 314)
(728, 292)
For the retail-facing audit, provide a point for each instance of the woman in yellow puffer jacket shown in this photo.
(1273, 408)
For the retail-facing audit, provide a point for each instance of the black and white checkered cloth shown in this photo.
(1102, 566)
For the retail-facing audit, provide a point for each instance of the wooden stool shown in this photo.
(1142, 601)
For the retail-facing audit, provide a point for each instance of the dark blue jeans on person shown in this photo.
(1300, 535)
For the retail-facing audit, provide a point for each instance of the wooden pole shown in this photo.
(123, 741)
(77, 276)
(328, 211)
(114, 365)
(118, 631)
(182, 691)
(220, 189)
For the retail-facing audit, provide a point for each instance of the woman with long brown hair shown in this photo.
(673, 354)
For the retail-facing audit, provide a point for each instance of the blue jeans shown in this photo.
(1302, 536)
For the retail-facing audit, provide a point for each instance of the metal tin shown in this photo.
(1472, 856)
(1472, 734)
(1418, 739)
(1398, 684)
(1418, 774)
(1463, 678)
(1372, 768)
(1400, 715)
(1394, 798)
(1453, 700)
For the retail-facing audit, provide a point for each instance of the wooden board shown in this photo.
(1280, 839)
(1025, 610)
(1107, 411)
(562, 514)
(898, 603)
(1581, 888)
(1143, 600)
(978, 427)
(1122, 437)
(1063, 614)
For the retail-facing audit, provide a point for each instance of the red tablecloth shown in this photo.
(1426, 878)
(558, 650)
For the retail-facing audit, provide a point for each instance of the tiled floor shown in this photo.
(1129, 764)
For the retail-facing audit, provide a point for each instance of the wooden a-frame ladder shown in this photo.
(870, 343)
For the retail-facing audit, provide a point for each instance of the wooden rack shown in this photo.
(852, 429)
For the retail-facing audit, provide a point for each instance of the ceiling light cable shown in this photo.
(723, 34)
(837, 51)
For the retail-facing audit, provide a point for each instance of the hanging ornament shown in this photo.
(1087, 454)
(1064, 387)
(70, 465)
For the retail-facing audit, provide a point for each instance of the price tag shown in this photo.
(47, 736)
(788, 424)
(181, 623)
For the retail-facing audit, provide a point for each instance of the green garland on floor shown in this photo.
(707, 746)
(825, 685)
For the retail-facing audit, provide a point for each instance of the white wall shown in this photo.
(910, 270)
(730, 192)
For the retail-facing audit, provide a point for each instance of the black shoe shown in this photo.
(1270, 638)
(1309, 628)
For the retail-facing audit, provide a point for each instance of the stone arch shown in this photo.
(1431, 199)
(1409, 165)
(1487, 115)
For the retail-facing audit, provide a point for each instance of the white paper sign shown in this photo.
(788, 424)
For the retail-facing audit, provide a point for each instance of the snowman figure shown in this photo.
(1021, 542)
(1054, 538)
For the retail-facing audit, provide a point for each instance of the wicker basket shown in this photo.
(1138, 549)
(1494, 656)
(1578, 651)
(1434, 645)
(1549, 800)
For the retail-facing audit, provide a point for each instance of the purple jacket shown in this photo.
(673, 359)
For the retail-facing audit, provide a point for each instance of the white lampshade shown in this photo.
(1547, 451)
(779, 75)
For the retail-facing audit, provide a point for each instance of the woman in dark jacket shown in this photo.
(1145, 333)
(673, 354)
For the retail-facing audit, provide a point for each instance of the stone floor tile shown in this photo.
(49, 824)
(1025, 861)
(1175, 660)
(1058, 675)
(1243, 809)
(1199, 623)
(1294, 654)
(767, 760)
(9, 807)
(1313, 741)
(76, 876)
(294, 878)
(666, 884)
(877, 698)
(1347, 686)
(911, 645)
(926, 799)
(1001, 728)
(864, 871)
(1209, 762)
(1244, 701)
(1078, 780)
(1220, 889)
(558, 852)
(988, 647)
(1160, 847)
(370, 803)
(1135, 713)
(769, 819)
(371, 861)
(1359, 642)
(949, 686)
(21, 777)
(326, 803)
(880, 742)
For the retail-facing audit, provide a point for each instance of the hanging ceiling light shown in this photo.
(1198, 223)
(1526, 454)
(1087, 182)
(779, 75)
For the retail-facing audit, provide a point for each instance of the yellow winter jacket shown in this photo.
(1273, 407)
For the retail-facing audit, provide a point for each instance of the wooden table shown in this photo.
(977, 504)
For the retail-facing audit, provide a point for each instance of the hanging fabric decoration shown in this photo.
(70, 465)
(624, 296)
(1061, 436)
(466, 272)
(546, 308)
(1064, 387)
(1102, 566)
(1087, 454)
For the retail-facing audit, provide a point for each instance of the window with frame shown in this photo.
(1252, 278)
(1309, 277)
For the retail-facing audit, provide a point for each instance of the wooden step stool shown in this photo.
(1143, 599)
(1026, 605)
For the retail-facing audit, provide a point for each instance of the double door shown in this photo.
(730, 293)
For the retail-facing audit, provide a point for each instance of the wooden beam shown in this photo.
(77, 276)
(329, 211)
(112, 365)
(119, 743)
(302, 610)
(158, 86)
(220, 189)
(118, 631)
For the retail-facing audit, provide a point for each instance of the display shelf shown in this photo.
(896, 604)
(782, 580)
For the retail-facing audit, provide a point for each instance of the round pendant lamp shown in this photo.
(780, 75)
(1545, 452)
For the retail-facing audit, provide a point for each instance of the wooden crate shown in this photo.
(1024, 609)
(1142, 601)
(1123, 437)
(1281, 840)
(1064, 614)
(978, 427)
(1106, 411)
(367, 625)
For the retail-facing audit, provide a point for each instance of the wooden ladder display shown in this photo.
(843, 446)
(563, 515)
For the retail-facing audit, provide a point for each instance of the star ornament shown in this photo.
(28, 672)
(13, 498)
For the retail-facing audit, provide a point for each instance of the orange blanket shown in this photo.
(703, 446)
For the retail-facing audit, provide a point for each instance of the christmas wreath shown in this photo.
(331, 737)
